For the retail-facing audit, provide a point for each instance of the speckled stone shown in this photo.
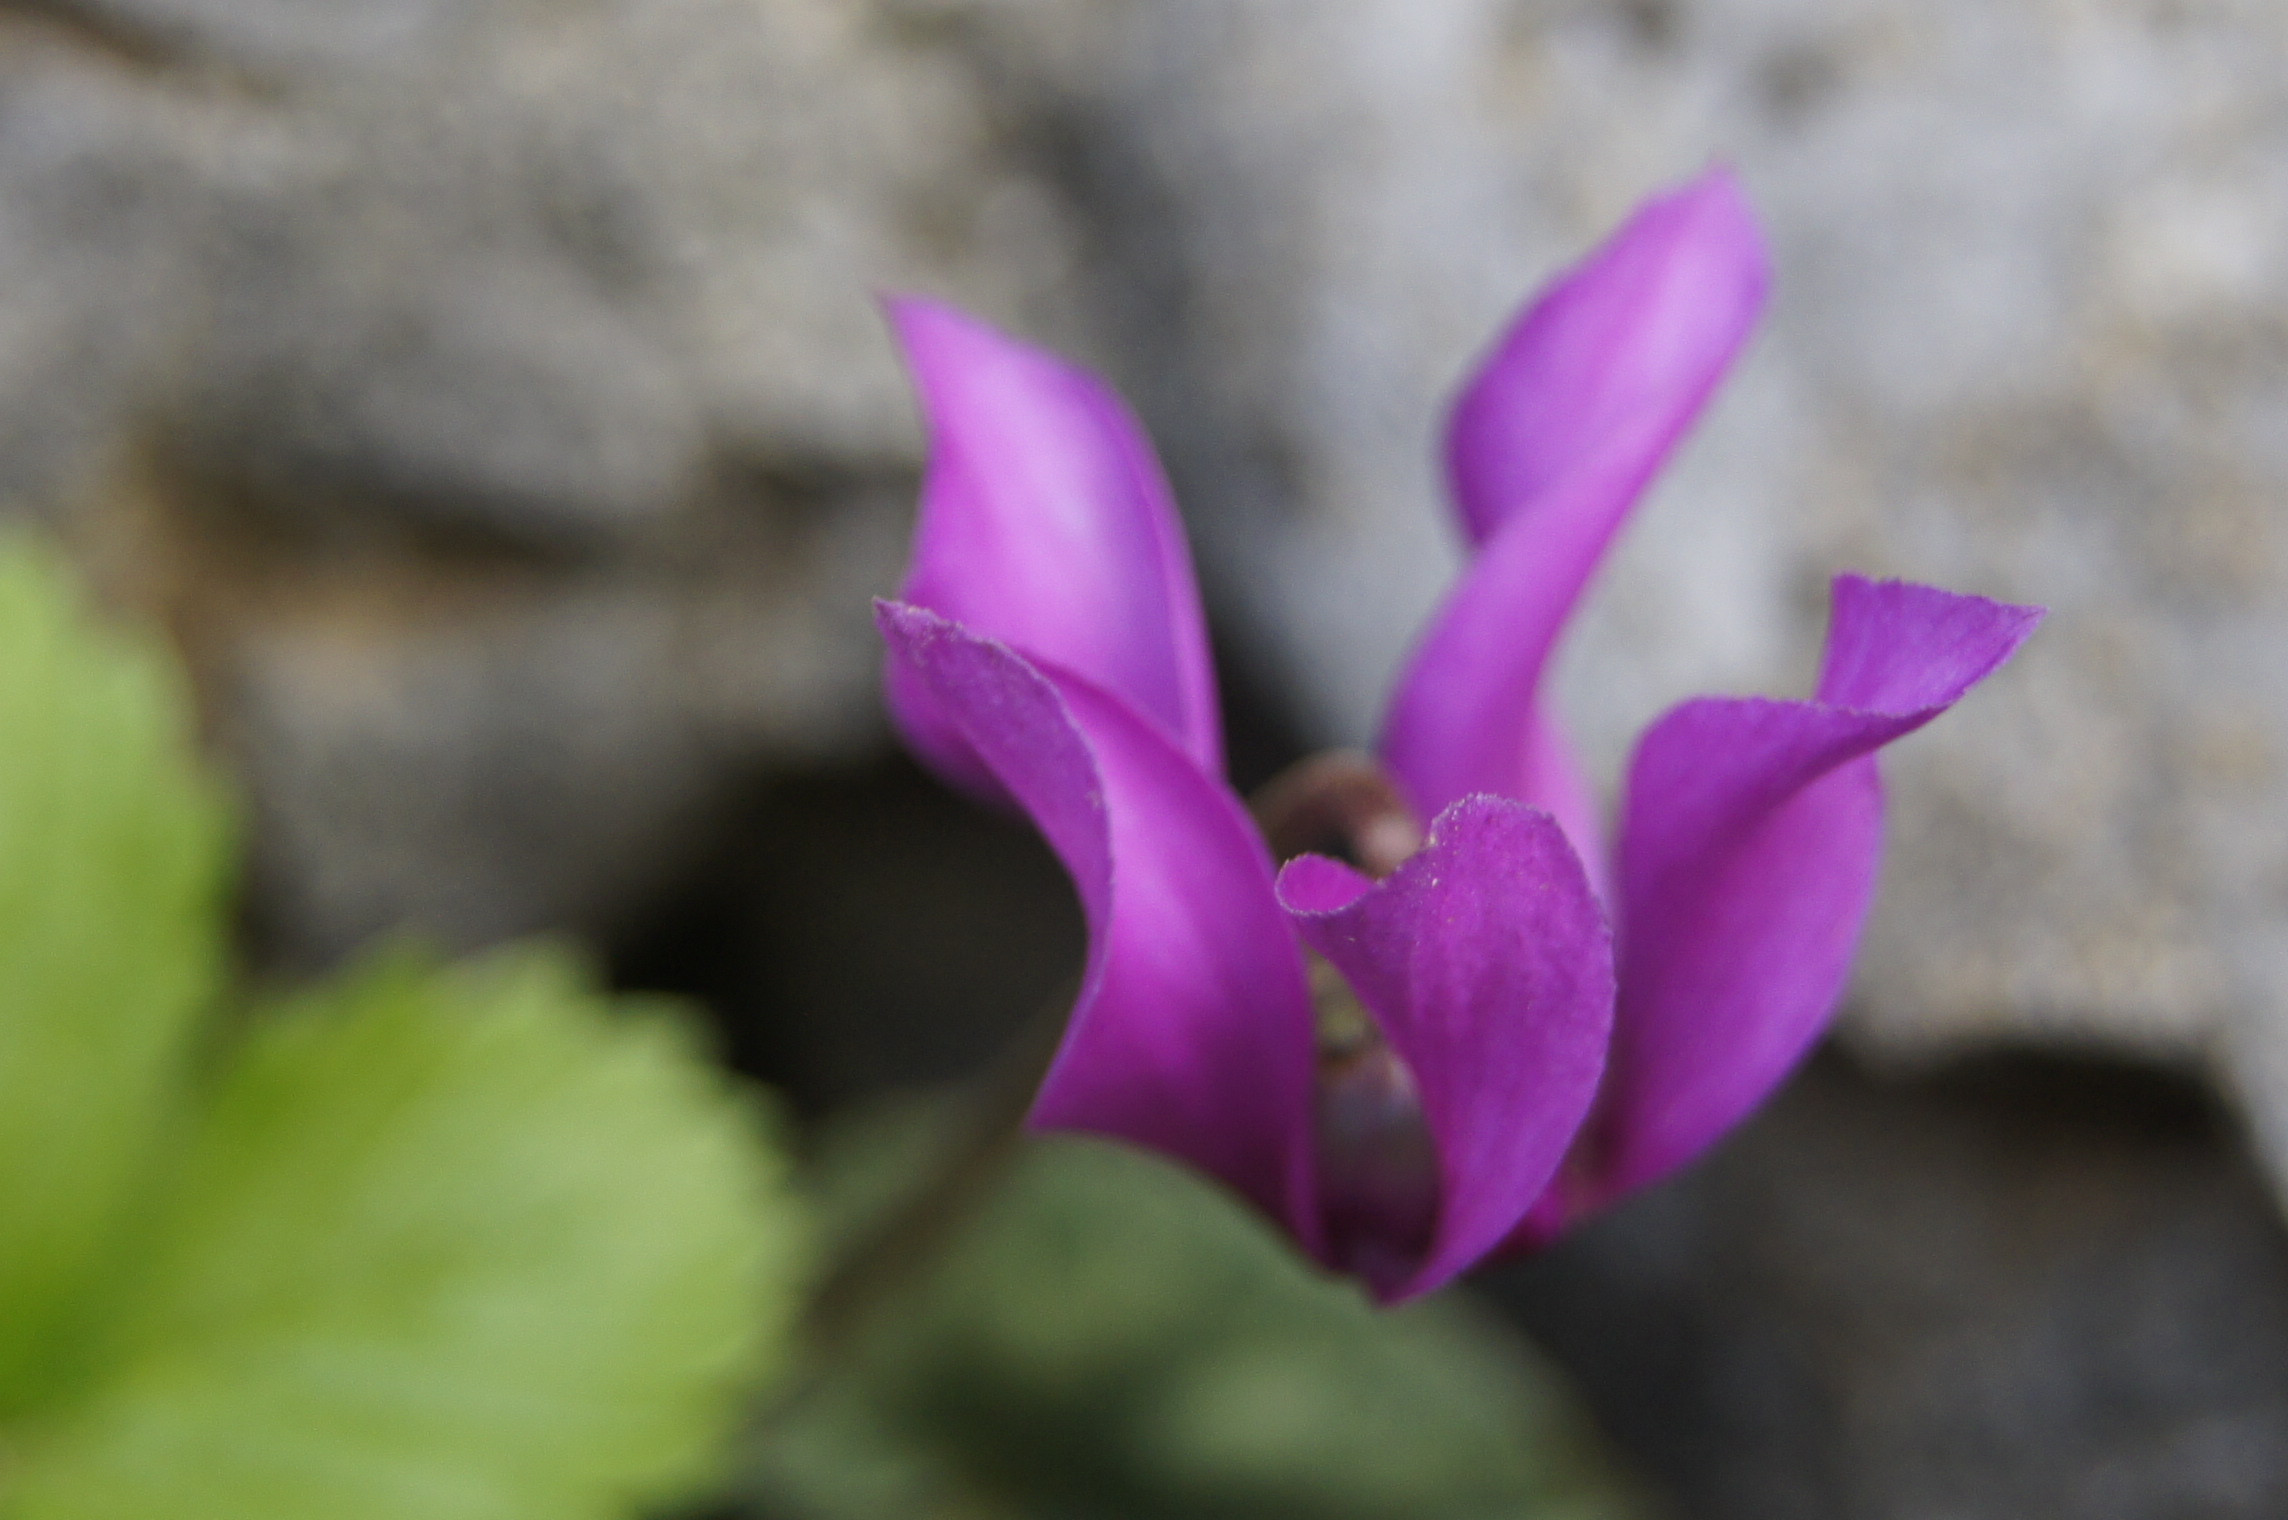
(492, 395)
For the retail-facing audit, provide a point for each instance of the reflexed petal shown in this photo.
(1487, 963)
(1629, 342)
(1749, 852)
(1549, 447)
(1046, 524)
(1896, 647)
(1466, 716)
(1192, 1032)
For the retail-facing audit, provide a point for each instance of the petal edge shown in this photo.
(1750, 850)
(1192, 1031)
(1632, 340)
(1488, 965)
(1045, 523)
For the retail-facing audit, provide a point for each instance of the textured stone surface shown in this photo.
(492, 394)
(2028, 340)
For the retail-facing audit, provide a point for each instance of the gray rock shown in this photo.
(424, 773)
(462, 390)
(494, 397)
(281, 37)
(99, 222)
(2022, 1287)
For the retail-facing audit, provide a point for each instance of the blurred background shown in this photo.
(488, 396)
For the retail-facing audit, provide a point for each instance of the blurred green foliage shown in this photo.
(480, 1242)
(113, 879)
(1110, 1336)
(461, 1243)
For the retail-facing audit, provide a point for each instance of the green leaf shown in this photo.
(462, 1245)
(112, 875)
(1110, 1336)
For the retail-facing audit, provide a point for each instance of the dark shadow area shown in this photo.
(867, 930)
(2024, 1287)
(864, 931)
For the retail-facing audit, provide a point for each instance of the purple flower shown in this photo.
(1495, 1030)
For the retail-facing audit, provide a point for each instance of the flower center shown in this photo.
(1378, 1170)
(1340, 804)
(1378, 1167)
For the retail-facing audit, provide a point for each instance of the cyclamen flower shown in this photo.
(1509, 1030)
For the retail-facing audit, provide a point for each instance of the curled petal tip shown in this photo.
(903, 618)
(1750, 849)
(1045, 523)
(1617, 354)
(931, 734)
(1899, 647)
(1549, 448)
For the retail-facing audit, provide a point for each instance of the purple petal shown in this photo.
(1896, 647)
(1555, 783)
(1487, 963)
(1550, 446)
(1749, 853)
(1046, 524)
(1629, 343)
(1466, 716)
(1192, 1032)
(1316, 884)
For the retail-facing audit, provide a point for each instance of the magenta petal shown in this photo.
(1549, 447)
(1046, 524)
(1749, 852)
(1555, 783)
(1627, 344)
(1896, 647)
(1466, 716)
(1315, 884)
(1192, 1032)
(1488, 965)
